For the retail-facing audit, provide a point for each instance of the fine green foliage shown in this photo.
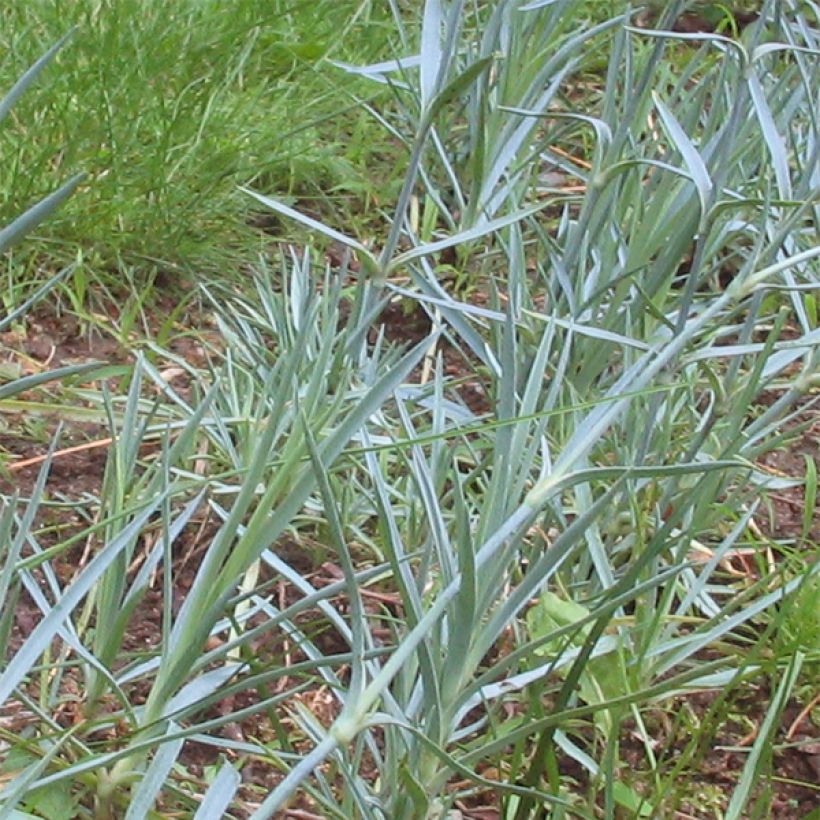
(481, 588)
(24, 223)
(167, 108)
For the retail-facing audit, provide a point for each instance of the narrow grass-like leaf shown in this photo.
(809, 496)
(462, 237)
(273, 802)
(430, 58)
(41, 636)
(30, 76)
(25, 383)
(314, 224)
(219, 794)
(200, 688)
(143, 798)
(751, 769)
(678, 650)
(357, 612)
(37, 213)
(377, 71)
(777, 149)
(38, 294)
(721, 41)
(694, 161)
(538, 4)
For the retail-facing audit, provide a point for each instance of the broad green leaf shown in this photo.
(629, 799)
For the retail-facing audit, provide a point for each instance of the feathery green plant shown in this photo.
(168, 108)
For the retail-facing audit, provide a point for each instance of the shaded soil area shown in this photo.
(73, 486)
(786, 508)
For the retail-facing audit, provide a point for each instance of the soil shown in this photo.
(786, 507)
(75, 478)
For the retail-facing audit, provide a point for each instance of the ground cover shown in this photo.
(500, 503)
(167, 109)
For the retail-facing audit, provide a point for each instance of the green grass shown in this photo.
(167, 109)
(403, 600)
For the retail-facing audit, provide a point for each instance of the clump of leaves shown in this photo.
(512, 583)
